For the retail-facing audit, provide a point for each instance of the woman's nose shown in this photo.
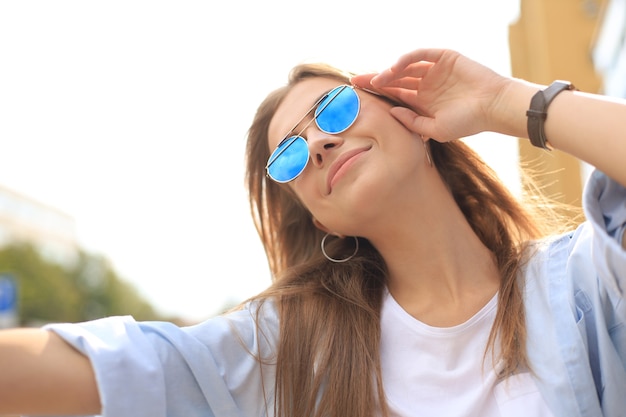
(321, 144)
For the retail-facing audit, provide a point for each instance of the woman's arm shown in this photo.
(588, 126)
(42, 374)
(450, 96)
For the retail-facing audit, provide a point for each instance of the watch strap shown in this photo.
(537, 113)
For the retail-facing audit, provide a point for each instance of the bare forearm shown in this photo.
(592, 128)
(41, 374)
(587, 126)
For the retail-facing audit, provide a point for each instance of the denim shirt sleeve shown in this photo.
(605, 208)
(575, 309)
(157, 369)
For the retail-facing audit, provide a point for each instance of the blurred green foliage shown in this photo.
(87, 290)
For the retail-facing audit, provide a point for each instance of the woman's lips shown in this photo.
(341, 165)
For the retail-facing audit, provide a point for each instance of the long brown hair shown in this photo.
(328, 359)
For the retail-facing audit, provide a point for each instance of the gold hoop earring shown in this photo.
(356, 249)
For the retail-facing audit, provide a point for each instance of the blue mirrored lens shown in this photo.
(289, 159)
(338, 110)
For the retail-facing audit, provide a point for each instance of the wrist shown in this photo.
(508, 112)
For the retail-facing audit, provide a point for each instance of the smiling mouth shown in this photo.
(342, 165)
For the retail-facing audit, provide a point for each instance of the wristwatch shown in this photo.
(537, 113)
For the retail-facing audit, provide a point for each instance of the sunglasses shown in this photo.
(334, 113)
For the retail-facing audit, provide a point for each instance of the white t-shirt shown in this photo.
(438, 371)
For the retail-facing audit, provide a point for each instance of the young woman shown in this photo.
(408, 281)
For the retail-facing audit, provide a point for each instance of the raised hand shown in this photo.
(448, 96)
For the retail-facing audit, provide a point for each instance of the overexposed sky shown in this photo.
(131, 117)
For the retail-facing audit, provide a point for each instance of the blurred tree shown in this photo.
(89, 289)
(104, 293)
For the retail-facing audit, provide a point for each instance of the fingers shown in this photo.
(400, 95)
(362, 80)
(394, 90)
(399, 89)
(431, 55)
(399, 92)
(421, 125)
(408, 69)
(407, 83)
(406, 77)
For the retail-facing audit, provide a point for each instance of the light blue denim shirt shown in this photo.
(575, 314)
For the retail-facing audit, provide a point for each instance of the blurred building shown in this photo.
(609, 50)
(50, 231)
(557, 39)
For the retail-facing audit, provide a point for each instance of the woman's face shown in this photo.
(355, 176)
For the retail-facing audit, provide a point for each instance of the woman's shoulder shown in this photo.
(597, 242)
(248, 323)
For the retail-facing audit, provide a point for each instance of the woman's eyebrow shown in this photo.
(322, 96)
(317, 101)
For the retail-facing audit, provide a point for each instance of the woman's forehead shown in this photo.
(294, 106)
